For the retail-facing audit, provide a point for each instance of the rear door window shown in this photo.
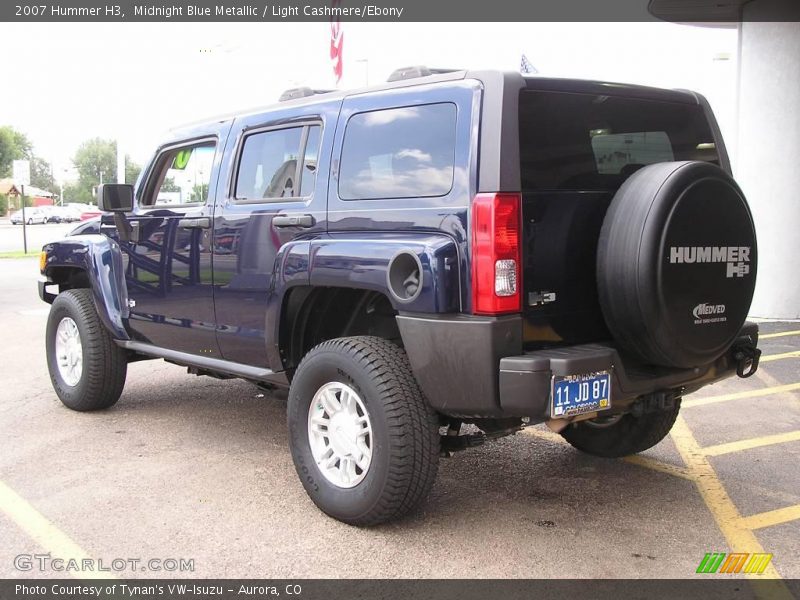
(404, 152)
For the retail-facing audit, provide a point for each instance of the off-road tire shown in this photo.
(404, 428)
(105, 364)
(627, 436)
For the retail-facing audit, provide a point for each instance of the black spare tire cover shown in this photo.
(676, 263)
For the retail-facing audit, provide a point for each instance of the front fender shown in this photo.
(101, 259)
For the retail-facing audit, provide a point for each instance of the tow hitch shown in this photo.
(746, 356)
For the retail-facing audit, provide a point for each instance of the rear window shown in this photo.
(399, 153)
(594, 142)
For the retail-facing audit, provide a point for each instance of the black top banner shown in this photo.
(730, 11)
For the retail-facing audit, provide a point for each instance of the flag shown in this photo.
(337, 41)
(525, 66)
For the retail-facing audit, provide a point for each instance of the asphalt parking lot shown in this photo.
(38, 235)
(192, 467)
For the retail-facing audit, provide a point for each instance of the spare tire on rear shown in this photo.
(676, 263)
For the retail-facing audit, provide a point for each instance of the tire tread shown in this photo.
(412, 424)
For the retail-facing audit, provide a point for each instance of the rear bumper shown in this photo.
(475, 367)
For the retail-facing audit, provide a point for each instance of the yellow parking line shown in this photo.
(772, 517)
(657, 465)
(757, 442)
(729, 521)
(771, 357)
(778, 389)
(767, 336)
(43, 532)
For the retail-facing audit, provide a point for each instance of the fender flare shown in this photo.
(101, 259)
(360, 260)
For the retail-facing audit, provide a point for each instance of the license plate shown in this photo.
(578, 394)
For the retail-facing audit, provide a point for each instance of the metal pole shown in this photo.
(24, 221)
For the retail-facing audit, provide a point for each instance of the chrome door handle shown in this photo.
(293, 221)
(195, 222)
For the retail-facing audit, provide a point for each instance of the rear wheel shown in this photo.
(621, 435)
(87, 368)
(364, 441)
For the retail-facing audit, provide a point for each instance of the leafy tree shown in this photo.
(95, 159)
(132, 170)
(42, 175)
(14, 145)
(199, 193)
(169, 185)
(74, 192)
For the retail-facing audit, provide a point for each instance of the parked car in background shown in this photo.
(32, 215)
(66, 214)
(90, 214)
(51, 214)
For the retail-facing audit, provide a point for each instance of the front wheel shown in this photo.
(364, 441)
(87, 368)
(621, 435)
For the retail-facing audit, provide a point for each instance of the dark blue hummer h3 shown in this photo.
(449, 248)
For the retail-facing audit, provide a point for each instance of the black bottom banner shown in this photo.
(721, 588)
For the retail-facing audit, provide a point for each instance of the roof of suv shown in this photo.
(535, 82)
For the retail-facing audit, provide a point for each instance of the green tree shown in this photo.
(42, 175)
(74, 192)
(94, 160)
(14, 145)
(199, 193)
(169, 185)
(132, 170)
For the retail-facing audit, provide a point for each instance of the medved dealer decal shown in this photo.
(737, 258)
(709, 313)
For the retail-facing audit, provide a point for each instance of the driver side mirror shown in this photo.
(115, 197)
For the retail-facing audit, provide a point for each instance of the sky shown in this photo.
(134, 81)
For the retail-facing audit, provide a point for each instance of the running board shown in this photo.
(210, 364)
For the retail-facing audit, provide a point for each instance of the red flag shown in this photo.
(337, 41)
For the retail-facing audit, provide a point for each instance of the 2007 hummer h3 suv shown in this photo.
(450, 247)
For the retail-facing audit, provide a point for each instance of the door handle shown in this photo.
(293, 221)
(195, 222)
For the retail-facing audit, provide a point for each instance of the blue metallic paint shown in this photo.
(350, 243)
(100, 258)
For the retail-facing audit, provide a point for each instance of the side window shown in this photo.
(182, 176)
(268, 166)
(399, 153)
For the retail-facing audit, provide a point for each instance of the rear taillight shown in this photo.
(496, 279)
